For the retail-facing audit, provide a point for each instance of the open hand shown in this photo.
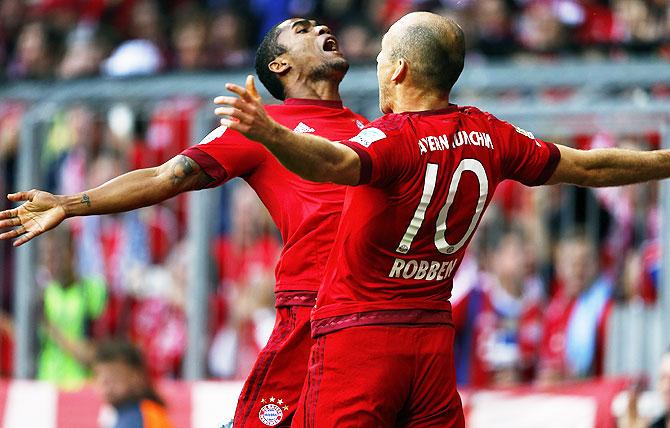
(41, 212)
(245, 113)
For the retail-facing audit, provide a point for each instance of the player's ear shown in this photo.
(400, 71)
(279, 65)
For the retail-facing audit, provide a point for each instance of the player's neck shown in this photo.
(315, 90)
(414, 99)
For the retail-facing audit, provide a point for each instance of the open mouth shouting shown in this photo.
(330, 44)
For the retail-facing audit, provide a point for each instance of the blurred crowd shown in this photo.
(64, 39)
(531, 300)
(125, 276)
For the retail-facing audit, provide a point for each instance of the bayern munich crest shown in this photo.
(272, 412)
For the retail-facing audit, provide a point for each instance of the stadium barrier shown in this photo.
(210, 404)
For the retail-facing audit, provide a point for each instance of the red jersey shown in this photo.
(307, 214)
(426, 178)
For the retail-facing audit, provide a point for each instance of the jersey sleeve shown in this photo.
(525, 159)
(225, 154)
(383, 156)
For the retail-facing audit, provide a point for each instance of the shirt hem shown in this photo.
(411, 317)
(295, 298)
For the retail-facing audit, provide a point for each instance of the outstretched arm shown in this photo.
(610, 167)
(43, 211)
(311, 157)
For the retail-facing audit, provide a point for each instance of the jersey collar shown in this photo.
(313, 102)
(450, 109)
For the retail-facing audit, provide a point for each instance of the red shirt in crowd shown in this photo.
(559, 315)
(307, 214)
(498, 335)
(426, 178)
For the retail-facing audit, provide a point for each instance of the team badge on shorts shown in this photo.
(272, 412)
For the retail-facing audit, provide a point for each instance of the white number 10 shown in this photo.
(441, 243)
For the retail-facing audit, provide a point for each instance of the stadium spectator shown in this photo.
(356, 42)
(145, 52)
(190, 41)
(86, 49)
(540, 30)
(494, 29)
(70, 303)
(12, 18)
(158, 317)
(499, 322)
(37, 52)
(575, 322)
(227, 47)
(124, 383)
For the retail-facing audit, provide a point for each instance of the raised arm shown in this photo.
(610, 167)
(311, 157)
(43, 211)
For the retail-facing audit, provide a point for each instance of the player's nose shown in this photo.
(322, 29)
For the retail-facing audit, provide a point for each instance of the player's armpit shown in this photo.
(610, 167)
(183, 174)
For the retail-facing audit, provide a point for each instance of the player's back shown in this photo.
(427, 178)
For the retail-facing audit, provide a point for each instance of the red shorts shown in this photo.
(382, 376)
(270, 394)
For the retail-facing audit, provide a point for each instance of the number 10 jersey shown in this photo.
(426, 178)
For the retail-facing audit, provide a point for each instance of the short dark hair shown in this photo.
(121, 351)
(268, 51)
(435, 59)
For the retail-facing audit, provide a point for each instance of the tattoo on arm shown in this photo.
(86, 200)
(184, 168)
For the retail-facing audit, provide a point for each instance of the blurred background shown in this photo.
(560, 285)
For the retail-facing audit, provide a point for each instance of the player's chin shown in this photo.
(337, 62)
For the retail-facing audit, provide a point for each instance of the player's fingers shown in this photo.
(224, 99)
(13, 233)
(235, 125)
(228, 100)
(224, 111)
(251, 87)
(10, 222)
(25, 238)
(22, 196)
(238, 103)
(239, 91)
(233, 112)
(9, 213)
